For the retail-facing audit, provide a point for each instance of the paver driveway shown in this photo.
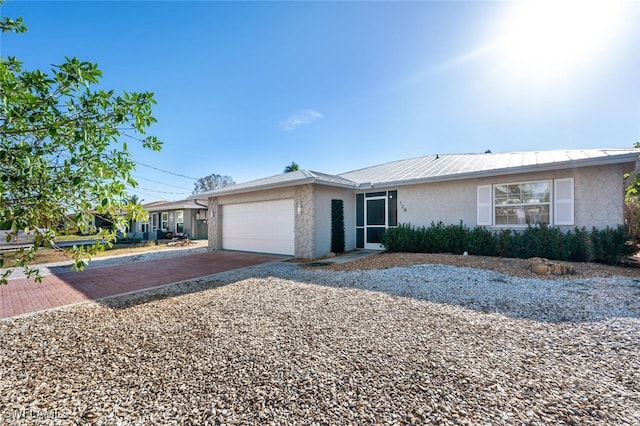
(22, 295)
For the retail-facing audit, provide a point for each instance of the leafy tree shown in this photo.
(632, 191)
(292, 167)
(133, 199)
(632, 202)
(212, 182)
(62, 158)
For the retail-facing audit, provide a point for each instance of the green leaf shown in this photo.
(57, 136)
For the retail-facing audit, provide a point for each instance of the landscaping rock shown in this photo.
(542, 266)
(182, 242)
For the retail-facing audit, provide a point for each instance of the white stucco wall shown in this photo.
(598, 191)
(448, 202)
(599, 196)
(323, 196)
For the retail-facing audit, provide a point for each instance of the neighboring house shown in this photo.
(184, 216)
(97, 221)
(291, 213)
(15, 241)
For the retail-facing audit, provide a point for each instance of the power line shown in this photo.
(164, 171)
(153, 167)
(163, 183)
(163, 192)
(148, 194)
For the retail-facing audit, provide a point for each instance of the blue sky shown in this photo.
(244, 88)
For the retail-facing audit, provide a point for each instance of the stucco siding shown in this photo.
(304, 221)
(214, 236)
(322, 200)
(449, 202)
(598, 197)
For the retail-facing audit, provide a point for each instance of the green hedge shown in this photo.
(337, 226)
(609, 245)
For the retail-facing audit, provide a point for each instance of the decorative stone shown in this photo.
(542, 266)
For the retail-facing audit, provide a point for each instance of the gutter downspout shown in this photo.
(195, 201)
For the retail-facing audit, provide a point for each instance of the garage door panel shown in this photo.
(266, 226)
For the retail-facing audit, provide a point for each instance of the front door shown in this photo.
(375, 212)
(375, 222)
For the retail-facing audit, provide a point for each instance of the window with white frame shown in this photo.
(179, 221)
(526, 203)
(165, 221)
(548, 202)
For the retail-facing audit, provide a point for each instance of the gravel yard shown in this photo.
(284, 344)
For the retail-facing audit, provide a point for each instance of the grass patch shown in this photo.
(74, 237)
(50, 255)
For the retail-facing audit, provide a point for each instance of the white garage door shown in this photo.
(264, 227)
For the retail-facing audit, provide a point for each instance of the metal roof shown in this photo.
(457, 166)
(438, 167)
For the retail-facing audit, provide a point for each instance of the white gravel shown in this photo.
(280, 344)
(564, 299)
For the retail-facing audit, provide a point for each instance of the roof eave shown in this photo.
(297, 182)
(172, 207)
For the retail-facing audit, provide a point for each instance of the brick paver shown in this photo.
(23, 296)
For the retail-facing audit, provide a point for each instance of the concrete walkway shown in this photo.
(23, 296)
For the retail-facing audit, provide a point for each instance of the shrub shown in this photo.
(397, 239)
(337, 226)
(632, 217)
(482, 242)
(576, 245)
(610, 245)
(541, 241)
(607, 245)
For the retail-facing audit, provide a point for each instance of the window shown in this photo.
(165, 221)
(144, 227)
(522, 203)
(548, 202)
(179, 221)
